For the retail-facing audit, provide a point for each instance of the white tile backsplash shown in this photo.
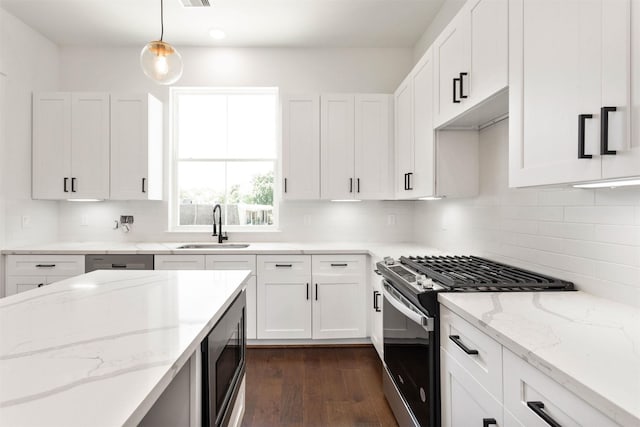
(590, 237)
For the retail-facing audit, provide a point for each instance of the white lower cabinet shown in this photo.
(482, 381)
(178, 262)
(26, 272)
(375, 311)
(295, 302)
(464, 401)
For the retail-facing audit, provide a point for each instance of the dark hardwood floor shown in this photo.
(324, 387)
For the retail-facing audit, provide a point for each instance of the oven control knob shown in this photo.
(389, 261)
(425, 283)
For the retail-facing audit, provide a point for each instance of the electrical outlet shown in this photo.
(26, 221)
(391, 220)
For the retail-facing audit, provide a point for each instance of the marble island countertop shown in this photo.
(99, 349)
(588, 344)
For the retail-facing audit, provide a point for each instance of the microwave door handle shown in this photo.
(424, 321)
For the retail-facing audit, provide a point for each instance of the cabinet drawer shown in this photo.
(458, 335)
(45, 265)
(284, 268)
(339, 265)
(231, 262)
(524, 384)
(178, 262)
(18, 284)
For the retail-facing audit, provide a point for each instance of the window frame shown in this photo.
(174, 208)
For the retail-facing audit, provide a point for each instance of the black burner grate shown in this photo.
(470, 272)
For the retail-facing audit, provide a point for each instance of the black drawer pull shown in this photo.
(582, 118)
(376, 305)
(118, 265)
(338, 265)
(604, 130)
(284, 265)
(144, 187)
(537, 408)
(45, 265)
(285, 185)
(486, 422)
(456, 340)
(316, 292)
(40, 285)
(307, 291)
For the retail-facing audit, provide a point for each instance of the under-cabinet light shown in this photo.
(609, 184)
(84, 200)
(346, 200)
(431, 198)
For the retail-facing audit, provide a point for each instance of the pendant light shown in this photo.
(160, 61)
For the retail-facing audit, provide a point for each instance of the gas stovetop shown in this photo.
(419, 278)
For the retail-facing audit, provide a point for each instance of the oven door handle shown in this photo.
(406, 308)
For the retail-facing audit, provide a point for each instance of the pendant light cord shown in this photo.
(161, 19)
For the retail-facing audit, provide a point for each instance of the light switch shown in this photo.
(26, 221)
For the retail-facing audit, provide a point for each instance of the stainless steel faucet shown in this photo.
(221, 236)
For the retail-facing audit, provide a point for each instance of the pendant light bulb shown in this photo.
(160, 61)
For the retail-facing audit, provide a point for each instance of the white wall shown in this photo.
(293, 71)
(446, 13)
(590, 237)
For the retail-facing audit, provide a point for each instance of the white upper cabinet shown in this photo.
(70, 146)
(570, 91)
(428, 163)
(301, 147)
(471, 58)
(136, 147)
(356, 148)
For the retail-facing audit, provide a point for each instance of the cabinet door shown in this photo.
(337, 147)
(284, 297)
(178, 262)
(616, 74)
(136, 147)
(375, 304)
(423, 178)
(373, 147)
(488, 22)
(51, 155)
(89, 146)
(463, 400)
(301, 147)
(451, 52)
(403, 128)
(339, 296)
(554, 76)
(18, 284)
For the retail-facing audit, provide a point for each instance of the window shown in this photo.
(224, 152)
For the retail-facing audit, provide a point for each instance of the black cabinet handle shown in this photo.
(409, 186)
(405, 181)
(316, 292)
(486, 422)
(456, 340)
(339, 265)
(40, 285)
(462, 76)
(455, 100)
(144, 181)
(284, 265)
(537, 408)
(66, 181)
(45, 265)
(604, 130)
(118, 265)
(358, 185)
(376, 305)
(307, 292)
(285, 185)
(73, 185)
(582, 118)
(350, 185)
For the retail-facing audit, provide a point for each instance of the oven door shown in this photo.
(409, 356)
(223, 364)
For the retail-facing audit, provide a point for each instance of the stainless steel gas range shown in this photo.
(411, 285)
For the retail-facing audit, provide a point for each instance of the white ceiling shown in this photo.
(251, 23)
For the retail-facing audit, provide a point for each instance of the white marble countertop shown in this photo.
(378, 250)
(588, 344)
(99, 349)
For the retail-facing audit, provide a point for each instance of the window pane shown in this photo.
(202, 126)
(252, 126)
(250, 197)
(200, 186)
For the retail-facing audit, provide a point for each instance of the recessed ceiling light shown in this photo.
(217, 34)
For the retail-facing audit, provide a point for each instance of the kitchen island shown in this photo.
(99, 349)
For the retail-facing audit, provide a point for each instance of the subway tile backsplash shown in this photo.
(591, 237)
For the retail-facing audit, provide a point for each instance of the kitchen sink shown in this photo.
(214, 246)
